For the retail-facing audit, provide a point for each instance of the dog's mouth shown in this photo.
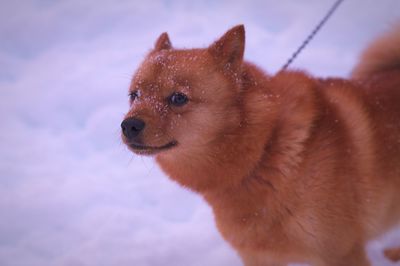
(150, 150)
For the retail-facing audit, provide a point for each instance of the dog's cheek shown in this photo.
(176, 127)
(200, 127)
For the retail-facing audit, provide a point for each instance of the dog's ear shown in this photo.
(229, 49)
(163, 42)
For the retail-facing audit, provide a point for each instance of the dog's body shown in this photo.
(296, 169)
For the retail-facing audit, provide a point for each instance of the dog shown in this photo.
(295, 168)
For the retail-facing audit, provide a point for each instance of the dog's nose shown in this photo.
(131, 127)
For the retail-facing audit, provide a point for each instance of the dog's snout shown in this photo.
(131, 127)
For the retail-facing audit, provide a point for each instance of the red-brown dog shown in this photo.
(295, 168)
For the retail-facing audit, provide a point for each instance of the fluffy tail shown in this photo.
(382, 55)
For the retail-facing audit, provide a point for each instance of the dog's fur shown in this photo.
(295, 168)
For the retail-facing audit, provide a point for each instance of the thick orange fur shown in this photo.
(393, 254)
(295, 168)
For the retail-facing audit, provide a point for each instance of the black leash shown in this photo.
(312, 34)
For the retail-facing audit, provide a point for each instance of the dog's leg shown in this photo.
(392, 254)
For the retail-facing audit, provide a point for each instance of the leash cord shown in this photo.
(312, 34)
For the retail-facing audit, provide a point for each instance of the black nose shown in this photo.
(131, 127)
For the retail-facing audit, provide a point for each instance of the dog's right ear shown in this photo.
(163, 43)
(229, 49)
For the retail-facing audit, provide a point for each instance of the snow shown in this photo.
(70, 191)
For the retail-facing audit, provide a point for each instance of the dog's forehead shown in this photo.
(151, 77)
(168, 68)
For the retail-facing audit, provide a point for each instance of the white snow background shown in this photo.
(70, 192)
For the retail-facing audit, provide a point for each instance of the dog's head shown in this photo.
(185, 99)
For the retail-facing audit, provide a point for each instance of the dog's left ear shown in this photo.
(229, 49)
(163, 42)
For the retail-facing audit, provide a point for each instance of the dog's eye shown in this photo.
(133, 95)
(178, 99)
